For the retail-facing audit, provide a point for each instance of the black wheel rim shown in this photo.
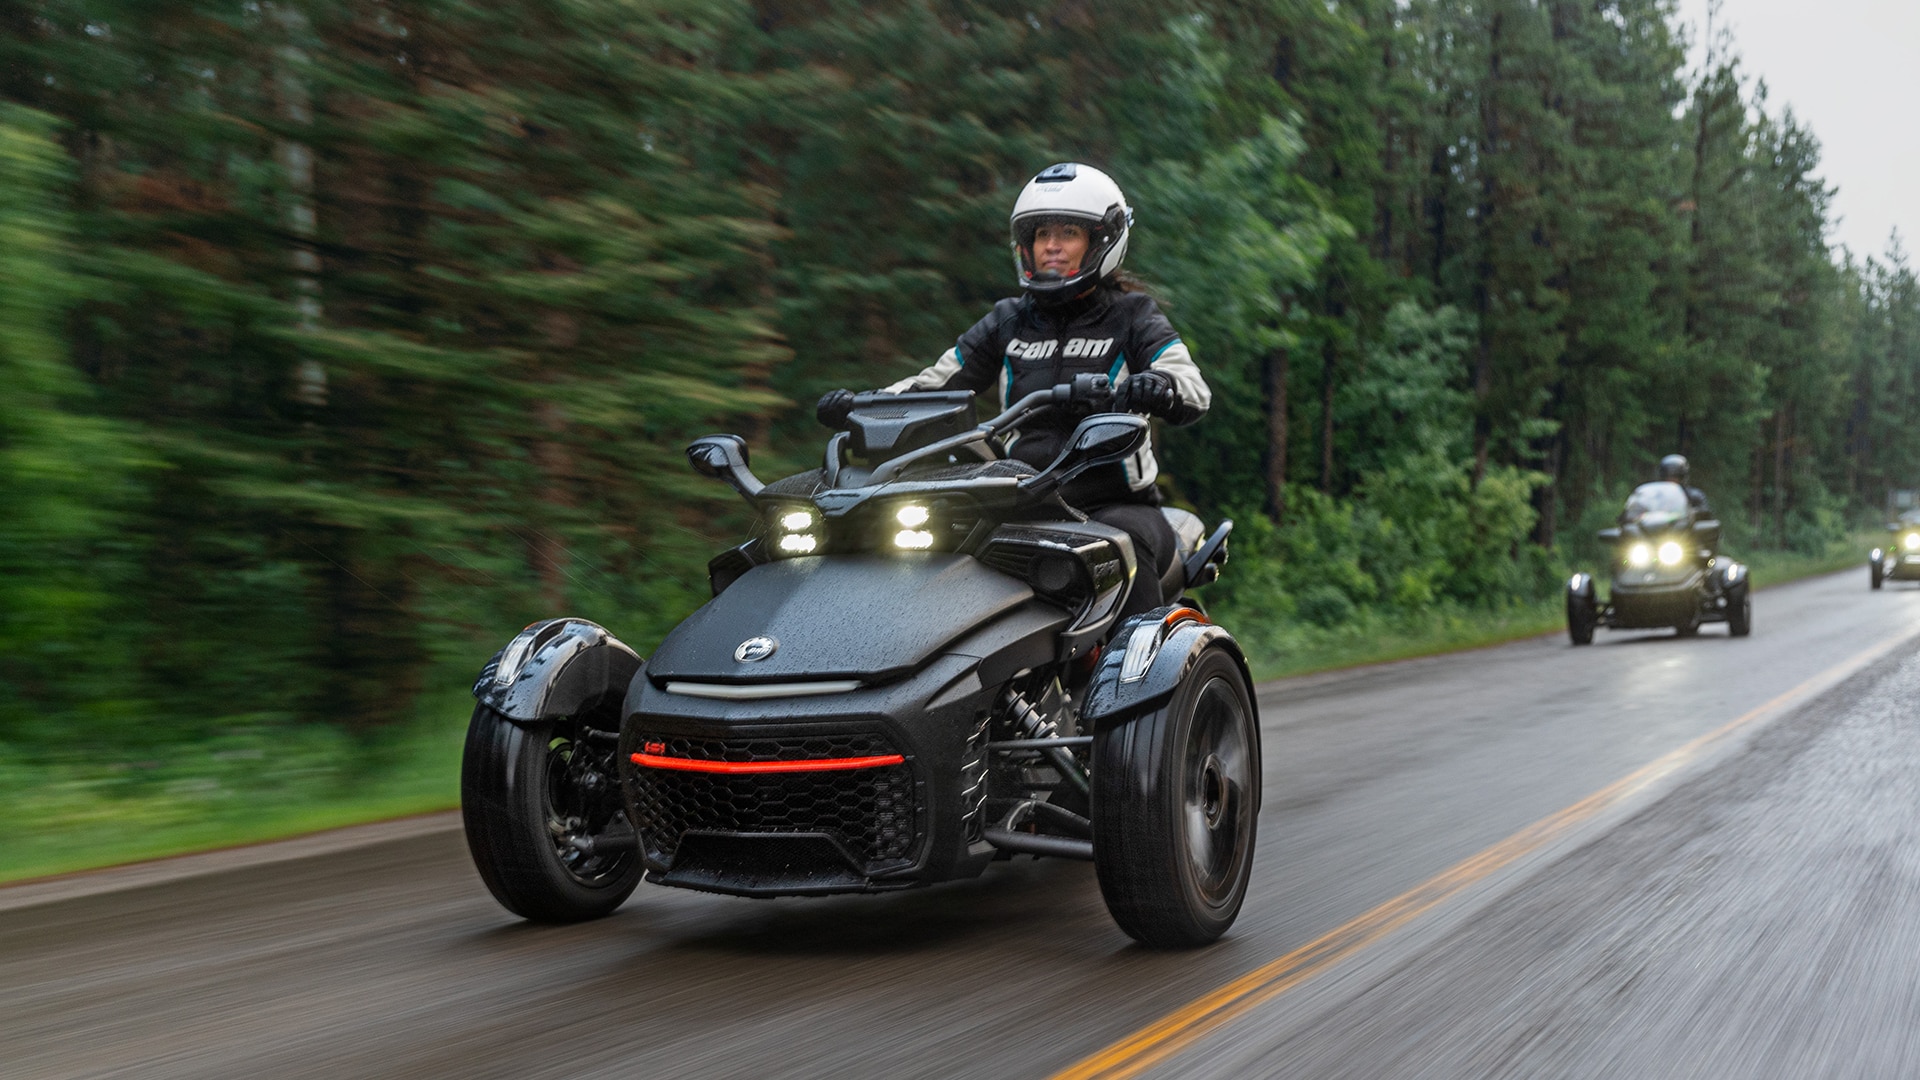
(1217, 792)
(591, 838)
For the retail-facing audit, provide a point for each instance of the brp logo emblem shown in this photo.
(755, 649)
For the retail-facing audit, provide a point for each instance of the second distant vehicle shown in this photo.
(1900, 560)
(1665, 570)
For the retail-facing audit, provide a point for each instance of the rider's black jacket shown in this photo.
(1021, 347)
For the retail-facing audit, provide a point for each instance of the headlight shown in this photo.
(913, 516)
(1639, 555)
(913, 539)
(796, 531)
(1911, 541)
(1671, 554)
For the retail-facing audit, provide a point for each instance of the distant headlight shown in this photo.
(1639, 555)
(1671, 554)
(1911, 541)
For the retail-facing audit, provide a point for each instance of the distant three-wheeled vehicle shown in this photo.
(1900, 559)
(1665, 570)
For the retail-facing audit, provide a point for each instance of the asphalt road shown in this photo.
(1754, 916)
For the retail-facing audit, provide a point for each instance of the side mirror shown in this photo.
(1706, 533)
(1609, 536)
(724, 457)
(1099, 440)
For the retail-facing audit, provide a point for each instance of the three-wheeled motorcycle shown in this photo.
(1900, 560)
(912, 669)
(1666, 571)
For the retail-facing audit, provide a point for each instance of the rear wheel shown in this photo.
(1176, 792)
(544, 820)
(1740, 612)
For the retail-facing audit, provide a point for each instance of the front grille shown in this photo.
(870, 811)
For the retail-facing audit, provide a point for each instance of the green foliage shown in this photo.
(63, 468)
(341, 338)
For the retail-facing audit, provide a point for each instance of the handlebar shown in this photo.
(1091, 393)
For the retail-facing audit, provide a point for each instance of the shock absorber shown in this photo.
(1033, 724)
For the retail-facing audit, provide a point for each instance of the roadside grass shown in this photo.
(66, 814)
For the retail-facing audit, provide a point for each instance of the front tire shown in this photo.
(1176, 795)
(1878, 573)
(544, 821)
(1740, 613)
(1581, 617)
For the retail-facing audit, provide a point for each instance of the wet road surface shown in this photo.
(1713, 911)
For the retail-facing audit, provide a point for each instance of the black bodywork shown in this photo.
(898, 688)
(1665, 570)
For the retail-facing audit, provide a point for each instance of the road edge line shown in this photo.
(79, 884)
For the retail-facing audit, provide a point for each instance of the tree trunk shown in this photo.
(296, 161)
(1780, 477)
(1276, 379)
(1326, 418)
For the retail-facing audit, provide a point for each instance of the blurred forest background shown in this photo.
(340, 338)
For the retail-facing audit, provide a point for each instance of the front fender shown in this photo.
(555, 668)
(1177, 637)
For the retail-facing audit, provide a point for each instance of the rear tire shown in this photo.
(1740, 613)
(530, 797)
(1176, 798)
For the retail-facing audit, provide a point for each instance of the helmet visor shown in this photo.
(1057, 247)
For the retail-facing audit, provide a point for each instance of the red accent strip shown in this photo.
(655, 761)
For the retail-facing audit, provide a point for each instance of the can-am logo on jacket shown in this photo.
(1041, 350)
(755, 648)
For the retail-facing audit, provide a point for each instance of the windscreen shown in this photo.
(1654, 505)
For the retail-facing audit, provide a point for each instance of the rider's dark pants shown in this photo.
(1154, 546)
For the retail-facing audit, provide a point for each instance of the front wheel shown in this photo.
(543, 817)
(1581, 616)
(1878, 573)
(1176, 792)
(1740, 613)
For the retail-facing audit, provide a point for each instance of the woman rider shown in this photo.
(1077, 315)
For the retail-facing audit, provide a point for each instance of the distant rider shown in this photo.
(1077, 314)
(1673, 468)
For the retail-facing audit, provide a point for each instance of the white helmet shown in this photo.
(1084, 196)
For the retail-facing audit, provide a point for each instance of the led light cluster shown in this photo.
(1642, 555)
(914, 536)
(796, 532)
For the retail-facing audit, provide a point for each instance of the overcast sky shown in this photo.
(1851, 71)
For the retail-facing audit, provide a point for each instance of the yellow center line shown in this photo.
(1164, 1038)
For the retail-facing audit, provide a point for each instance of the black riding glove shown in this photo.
(1151, 393)
(834, 407)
